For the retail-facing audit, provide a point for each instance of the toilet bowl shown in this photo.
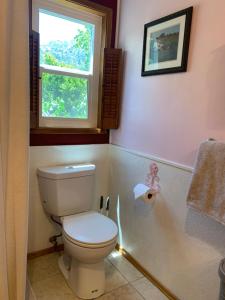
(88, 238)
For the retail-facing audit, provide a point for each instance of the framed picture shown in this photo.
(166, 44)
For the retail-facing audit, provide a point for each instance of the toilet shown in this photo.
(88, 236)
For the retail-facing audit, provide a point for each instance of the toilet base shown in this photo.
(86, 280)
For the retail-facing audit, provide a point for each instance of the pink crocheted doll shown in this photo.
(152, 179)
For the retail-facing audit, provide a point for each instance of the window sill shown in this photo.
(67, 136)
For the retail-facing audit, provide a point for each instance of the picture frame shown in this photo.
(166, 44)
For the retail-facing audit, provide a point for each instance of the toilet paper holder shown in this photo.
(150, 195)
(145, 192)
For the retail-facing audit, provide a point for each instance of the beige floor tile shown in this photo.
(48, 283)
(42, 267)
(126, 292)
(126, 268)
(113, 277)
(148, 290)
(53, 288)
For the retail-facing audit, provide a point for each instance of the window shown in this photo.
(75, 77)
(69, 60)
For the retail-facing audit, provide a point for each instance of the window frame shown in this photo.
(72, 11)
(72, 136)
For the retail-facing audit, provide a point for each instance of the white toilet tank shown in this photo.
(66, 190)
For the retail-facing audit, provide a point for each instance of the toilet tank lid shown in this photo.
(68, 171)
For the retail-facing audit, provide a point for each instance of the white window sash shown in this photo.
(64, 71)
(71, 10)
(66, 122)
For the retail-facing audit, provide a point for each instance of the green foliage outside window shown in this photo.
(67, 96)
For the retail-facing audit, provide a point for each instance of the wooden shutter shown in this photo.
(34, 79)
(111, 92)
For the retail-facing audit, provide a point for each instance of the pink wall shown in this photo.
(169, 115)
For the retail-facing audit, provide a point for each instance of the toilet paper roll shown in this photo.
(144, 193)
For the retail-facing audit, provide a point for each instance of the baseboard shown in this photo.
(147, 274)
(39, 253)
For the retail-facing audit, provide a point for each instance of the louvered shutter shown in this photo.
(111, 92)
(34, 79)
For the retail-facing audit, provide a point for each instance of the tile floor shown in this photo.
(123, 281)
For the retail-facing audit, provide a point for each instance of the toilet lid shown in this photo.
(89, 228)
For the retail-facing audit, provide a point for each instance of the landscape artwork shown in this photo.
(166, 44)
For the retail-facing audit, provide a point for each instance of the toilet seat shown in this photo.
(89, 230)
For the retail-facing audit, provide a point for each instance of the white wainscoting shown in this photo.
(180, 247)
